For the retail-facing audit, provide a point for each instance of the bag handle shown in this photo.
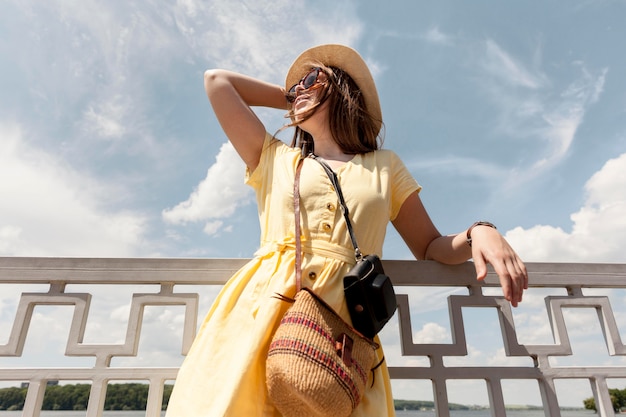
(334, 180)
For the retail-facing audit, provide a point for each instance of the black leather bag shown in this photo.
(370, 296)
(369, 292)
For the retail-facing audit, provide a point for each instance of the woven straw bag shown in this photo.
(317, 365)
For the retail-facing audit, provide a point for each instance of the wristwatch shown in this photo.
(478, 223)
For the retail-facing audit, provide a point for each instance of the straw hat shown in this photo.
(347, 59)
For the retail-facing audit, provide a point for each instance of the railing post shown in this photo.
(548, 396)
(496, 398)
(34, 398)
(440, 393)
(601, 395)
(97, 397)
(155, 398)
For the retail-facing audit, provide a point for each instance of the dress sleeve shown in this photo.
(402, 184)
(255, 178)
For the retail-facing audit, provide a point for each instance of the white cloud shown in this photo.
(87, 68)
(563, 119)
(459, 166)
(217, 196)
(211, 228)
(503, 66)
(436, 36)
(500, 358)
(598, 229)
(530, 108)
(49, 210)
(106, 119)
(9, 236)
(432, 333)
(256, 38)
(113, 49)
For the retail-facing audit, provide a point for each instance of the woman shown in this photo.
(333, 103)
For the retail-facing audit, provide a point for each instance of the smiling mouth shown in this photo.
(301, 99)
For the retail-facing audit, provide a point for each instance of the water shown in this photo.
(486, 413)
(78, 413)
(469, 413)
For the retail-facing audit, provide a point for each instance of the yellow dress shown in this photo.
(223, 374)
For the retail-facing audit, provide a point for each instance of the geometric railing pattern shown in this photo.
(167, 274)
(572, 277)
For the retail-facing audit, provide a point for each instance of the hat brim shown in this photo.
(347, 59)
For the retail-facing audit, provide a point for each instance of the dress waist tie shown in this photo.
(317, 247)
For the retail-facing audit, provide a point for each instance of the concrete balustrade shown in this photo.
(170, 275)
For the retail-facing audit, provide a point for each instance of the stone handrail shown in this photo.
(167, 274)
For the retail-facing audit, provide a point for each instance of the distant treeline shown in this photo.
(76, 397)
(618, 400)
(128, 397)
(423, 405)
(134, 396)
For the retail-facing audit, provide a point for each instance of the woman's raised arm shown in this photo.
(232, 95)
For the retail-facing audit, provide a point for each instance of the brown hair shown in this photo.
(352, 126)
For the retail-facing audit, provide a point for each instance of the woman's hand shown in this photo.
(489, 246)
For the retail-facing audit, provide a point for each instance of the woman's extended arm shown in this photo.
(488, 246)
(231, 95)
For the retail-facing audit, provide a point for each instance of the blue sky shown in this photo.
(506, 111)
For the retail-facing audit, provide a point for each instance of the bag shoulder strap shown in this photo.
(296, 210)
(334, 180)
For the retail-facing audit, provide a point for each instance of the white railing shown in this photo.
(167, 275)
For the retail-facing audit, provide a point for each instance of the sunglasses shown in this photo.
(307, 82)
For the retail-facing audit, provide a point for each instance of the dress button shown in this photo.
(312, 275)
(330, 206)
(327, 226)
